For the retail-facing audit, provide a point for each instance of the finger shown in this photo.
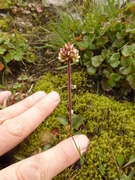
(4, 95)
(18, 108)
(48, 164)
(13, 131)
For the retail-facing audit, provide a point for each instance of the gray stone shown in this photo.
(56, 2)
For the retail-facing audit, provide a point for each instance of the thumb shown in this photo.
(48, 164)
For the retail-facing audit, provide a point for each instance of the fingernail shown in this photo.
(82, 142)
(39, 95)
(5, 93)
(53, 97)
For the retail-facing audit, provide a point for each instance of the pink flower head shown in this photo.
(68, 53)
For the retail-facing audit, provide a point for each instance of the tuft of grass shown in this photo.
(64, 29)
(67, 28)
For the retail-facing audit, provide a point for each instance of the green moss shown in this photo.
(4, 22)
(4, 4)
(104, 120)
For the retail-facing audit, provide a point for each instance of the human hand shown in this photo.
(18, 121)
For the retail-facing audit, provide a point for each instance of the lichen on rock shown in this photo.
(105, 120)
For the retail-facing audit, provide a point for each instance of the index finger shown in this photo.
(18, 108)
(13, 131)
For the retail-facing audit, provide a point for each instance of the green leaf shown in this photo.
(115, 56)
(11, 46)
(81, 158)
(116, 76)
(7, 58)
(12, 52)
(6, 40)
(101, 41)
(92, 47)
(126, 88)
(105, 86)
(79, 152)
(131, 160)
(19, 157)
(120, 159)
(108, 72)
(88, 38)
(127, 51)
(63, 120)
(113, 79)
(91, 70)
(118, 43)
(17, 85)
(121, 34)
(117, 25)
(2, 50)
(123, 177)
(131, 18)
(88, 55)
(114, 63)
(103, 17)
(114, 60)
(19, 55)
(126, 61)
(105, 53)
(77, 121)
(131, 80)
(30, 57)
(125, 70)
(97, 60)
(133, 49)
(22, 77)
(133, 63)
(47, 146)
(131, 174)
(22, 42)
(83, 45)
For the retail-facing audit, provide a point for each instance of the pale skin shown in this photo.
(18, 121)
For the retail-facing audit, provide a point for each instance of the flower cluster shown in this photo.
(68, 53)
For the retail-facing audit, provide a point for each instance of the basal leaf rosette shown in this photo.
(68, 53)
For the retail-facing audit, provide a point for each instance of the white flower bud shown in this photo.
(68, 53)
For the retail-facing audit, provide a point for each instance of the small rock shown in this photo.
(56, 2)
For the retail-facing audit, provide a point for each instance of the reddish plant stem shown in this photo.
(69, 93)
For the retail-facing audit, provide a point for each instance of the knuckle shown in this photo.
(30, 170)
(4, 115)
(43, 109)
(14, 128)
(27, 103)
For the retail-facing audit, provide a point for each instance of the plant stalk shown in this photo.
(78, 148)
(69, 93)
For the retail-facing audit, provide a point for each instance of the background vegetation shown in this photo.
(105, 37)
